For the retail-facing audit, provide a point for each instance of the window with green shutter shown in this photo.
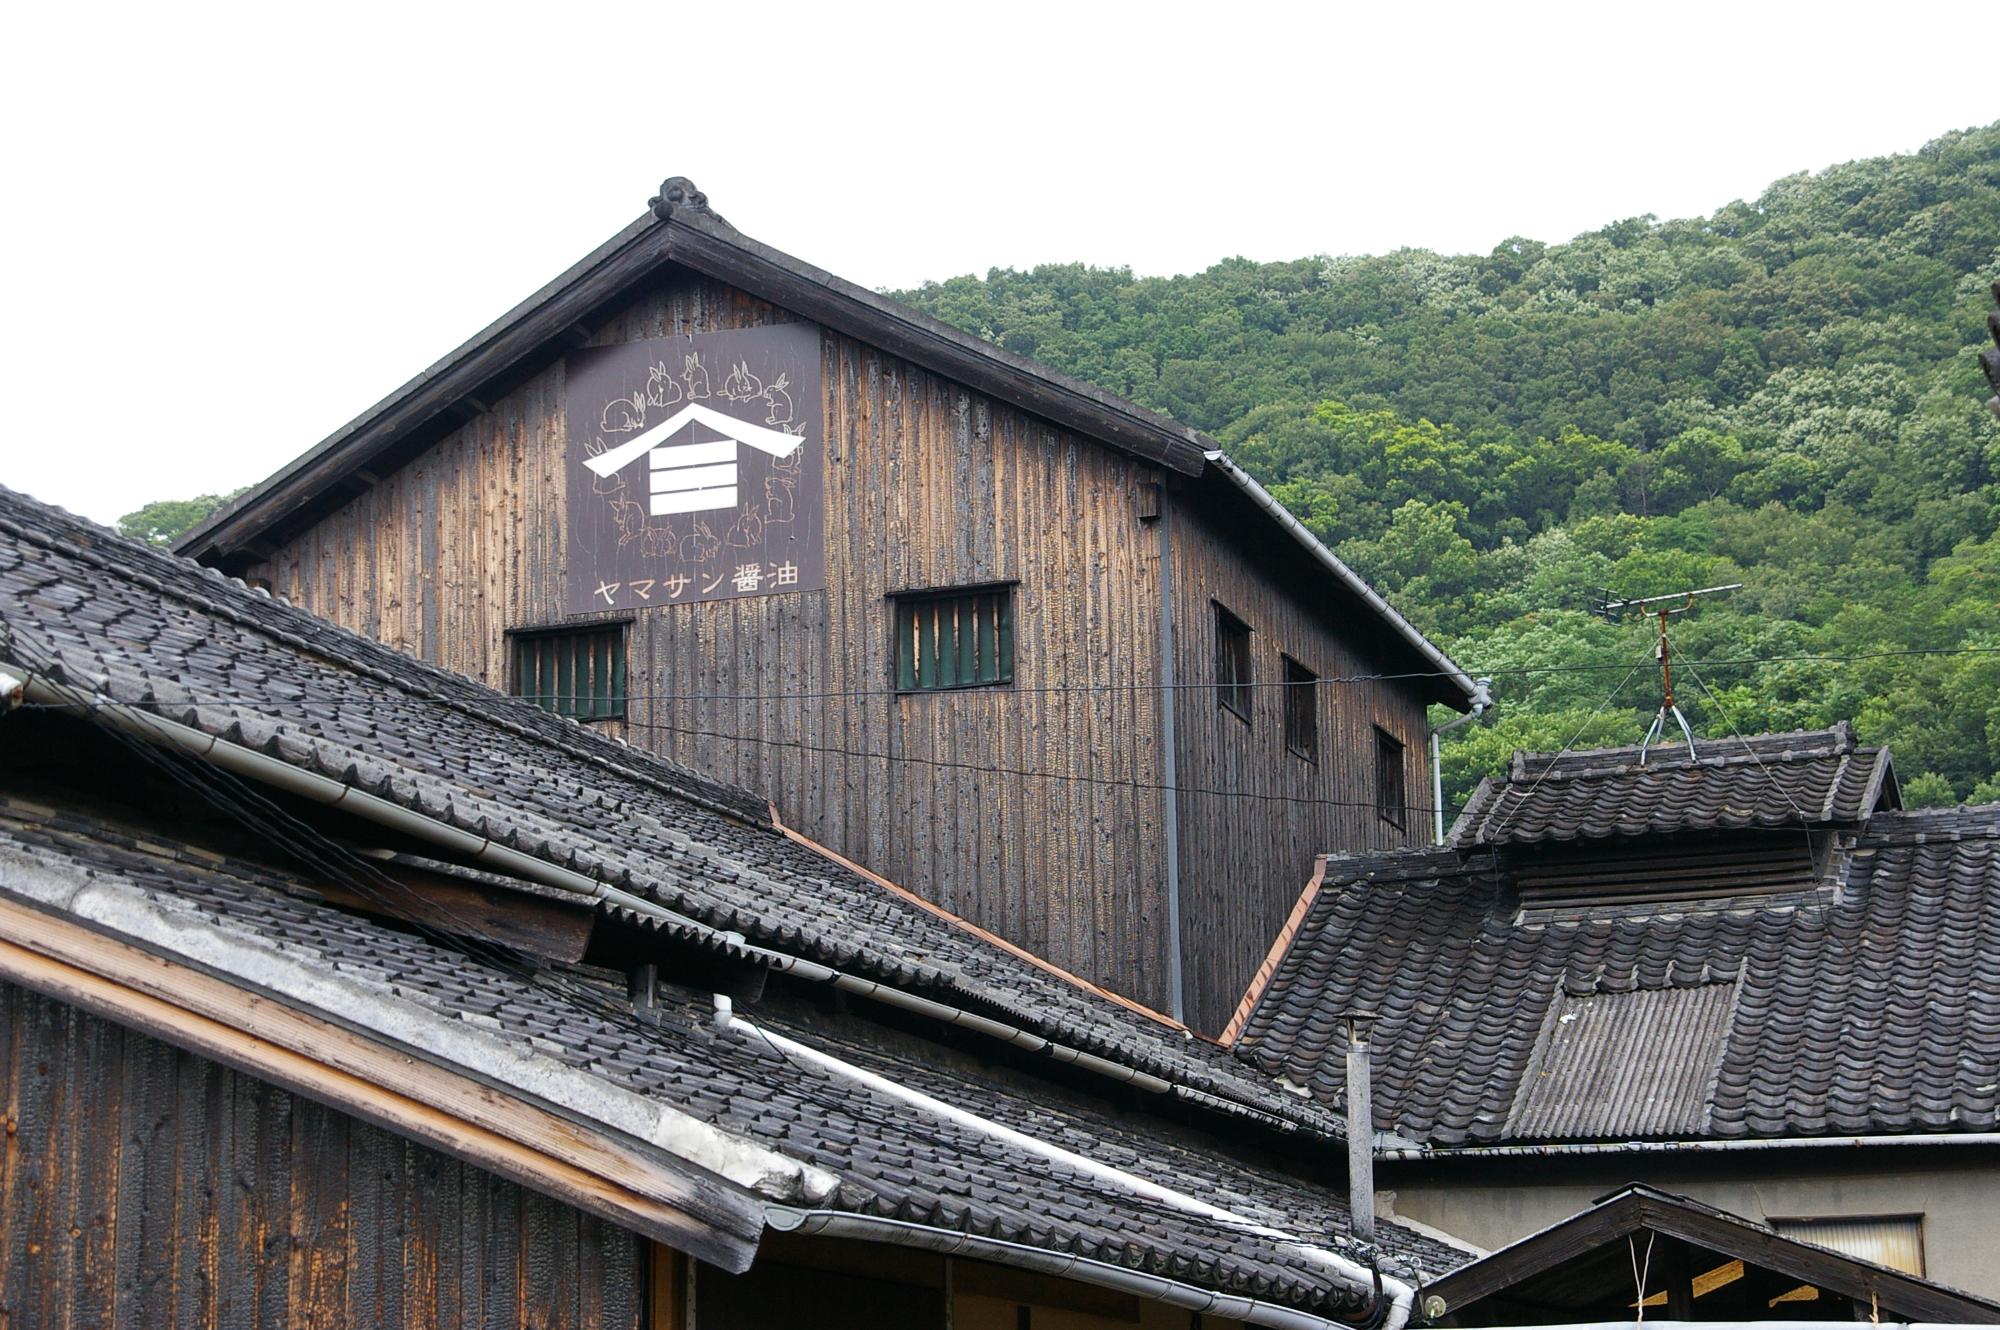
(576, 672)
(954, 639)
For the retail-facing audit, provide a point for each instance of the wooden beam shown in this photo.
(379, 1083)
(535, 924)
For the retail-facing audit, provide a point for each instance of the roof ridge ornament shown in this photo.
(677, 191)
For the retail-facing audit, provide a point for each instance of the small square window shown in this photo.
(1232, 663)
(1301, 711)
(1391, 795)
(576, 672)
(954, 639)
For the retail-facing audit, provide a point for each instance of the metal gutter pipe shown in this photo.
(1420, 1153)
(261, 767)
(949, 1242)
(1401, 1294)
(1482, 702)
(1312, 544)
(1170, 766)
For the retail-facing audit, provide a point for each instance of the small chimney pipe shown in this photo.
(1360, 1130)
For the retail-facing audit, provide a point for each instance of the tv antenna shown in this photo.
(1606, 606)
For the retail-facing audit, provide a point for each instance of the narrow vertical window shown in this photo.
(1301, 711)
(1391, 796)
(575, 672)
(1232, 663)
(954, 639)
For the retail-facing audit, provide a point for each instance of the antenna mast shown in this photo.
(1609, 608)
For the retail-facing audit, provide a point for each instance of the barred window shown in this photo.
(1391, 797)
(954, 639)
(1301, 711)
(576, 672)
(1232, 663)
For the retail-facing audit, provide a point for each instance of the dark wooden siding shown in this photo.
(143, 1186)
(1032, 809)
(1246, 855)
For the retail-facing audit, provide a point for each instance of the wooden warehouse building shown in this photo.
(1047, 658)
(338, 990)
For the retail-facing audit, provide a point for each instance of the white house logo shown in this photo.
(699, 476)
(727, 501)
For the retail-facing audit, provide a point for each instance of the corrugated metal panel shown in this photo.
(1635, 1064)
(1896, 1241)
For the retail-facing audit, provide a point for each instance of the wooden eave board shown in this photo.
(379, 1083)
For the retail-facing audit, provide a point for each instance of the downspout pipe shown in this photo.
(1389, 1314)
(325, 790)
(1482, 702)
(950, 1242)
(1170, 701)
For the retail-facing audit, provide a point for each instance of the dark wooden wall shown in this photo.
(142, 1186)
(1246, 855)
(1033, 810)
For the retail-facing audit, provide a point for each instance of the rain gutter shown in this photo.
(1389, 1317)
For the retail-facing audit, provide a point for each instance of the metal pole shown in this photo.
(1360, 1131)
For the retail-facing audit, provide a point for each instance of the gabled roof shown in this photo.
(1865, 1005)
(682, 230)
(1584, 1261)
(727, 1128)
(1807, 778)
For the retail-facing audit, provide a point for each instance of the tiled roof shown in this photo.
(1807, 778)
(147, 628)
(1871, 1005)
(890, 1162)
(143, 629)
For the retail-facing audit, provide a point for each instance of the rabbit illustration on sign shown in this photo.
(699, 545)
(660, 542)
(780, 401)
(662, 388)
(628, 516)
(779, 499)
(742, 385)
(696, 377)
(622, 415)
(747, 531)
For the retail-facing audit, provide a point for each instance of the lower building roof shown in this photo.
(1867, 1004)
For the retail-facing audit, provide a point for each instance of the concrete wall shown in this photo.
(1956, 1189)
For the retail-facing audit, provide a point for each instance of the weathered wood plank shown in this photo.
(169, 1190)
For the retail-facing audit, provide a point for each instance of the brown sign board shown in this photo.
(696, 469)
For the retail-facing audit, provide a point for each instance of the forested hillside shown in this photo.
(1782, 394)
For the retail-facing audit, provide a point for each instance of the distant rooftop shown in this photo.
(1805, 778)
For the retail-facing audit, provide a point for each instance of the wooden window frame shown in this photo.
(1005, 636)
(1301, 709)
(616, 663)
(1392, 806)
(1235, 670)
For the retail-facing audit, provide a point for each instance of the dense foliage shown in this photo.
(1782, 394)
(163, 521)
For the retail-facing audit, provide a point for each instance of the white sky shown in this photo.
(228, 231)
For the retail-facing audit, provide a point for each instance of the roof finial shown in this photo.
(677, 191)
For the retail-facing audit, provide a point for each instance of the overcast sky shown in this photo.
(228, 231)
